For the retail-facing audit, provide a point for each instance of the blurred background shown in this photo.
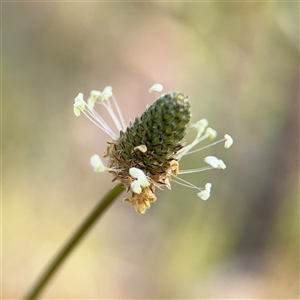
(239, 65)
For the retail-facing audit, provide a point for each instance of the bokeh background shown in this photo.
(238, 63)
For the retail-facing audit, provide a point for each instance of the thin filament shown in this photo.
(112, 114)
(202, 148)
(109, 132)
(184, 183)
(98, 118)
(119, 112)
(195, 170)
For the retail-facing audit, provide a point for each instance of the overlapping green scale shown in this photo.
(161, 129)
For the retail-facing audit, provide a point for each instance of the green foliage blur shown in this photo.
(239, 64)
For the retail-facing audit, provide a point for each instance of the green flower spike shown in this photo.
(146, 154)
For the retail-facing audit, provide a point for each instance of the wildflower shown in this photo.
(146, 154)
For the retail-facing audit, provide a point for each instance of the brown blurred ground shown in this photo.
(239, 64)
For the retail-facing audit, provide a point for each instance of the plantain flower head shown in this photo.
(145, 155)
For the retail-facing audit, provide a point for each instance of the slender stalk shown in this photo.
(78, 235)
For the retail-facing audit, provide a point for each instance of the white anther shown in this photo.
(77, 111)
(140, 176)
(229, 141)
(221, 165)
(200, 125)
(136, 187)
(97, 163)
(203, 122)
(107, 93)
(212, 160)
(78, 107)
(95, 94)
(79, 98)
(204, 195)
(215, 162)
(208, 187)
(211, 133)
(107, 89)
(156, 87)
(136, 172)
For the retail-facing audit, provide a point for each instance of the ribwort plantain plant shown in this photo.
(141, 157)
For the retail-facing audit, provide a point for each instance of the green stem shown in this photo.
(78, 235)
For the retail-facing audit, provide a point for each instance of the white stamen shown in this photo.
(156, 87)
(208, 186)
(211, 133)
(107, 89)
(212, 160)
(200, 125)
(136, 187)
(106, 94)
(221, 165)
(79, 105)
(99, 122)
(103, 98)
(215, 162)
(204, 195)
(144, 182)
(136, 172)
(140, 176)
(187, 148)
(95, 94)
(79, 97)
(229, 141)
(77, 109)
(93, 98)
(97, 163)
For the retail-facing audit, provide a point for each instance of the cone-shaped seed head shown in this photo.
(161, 129)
